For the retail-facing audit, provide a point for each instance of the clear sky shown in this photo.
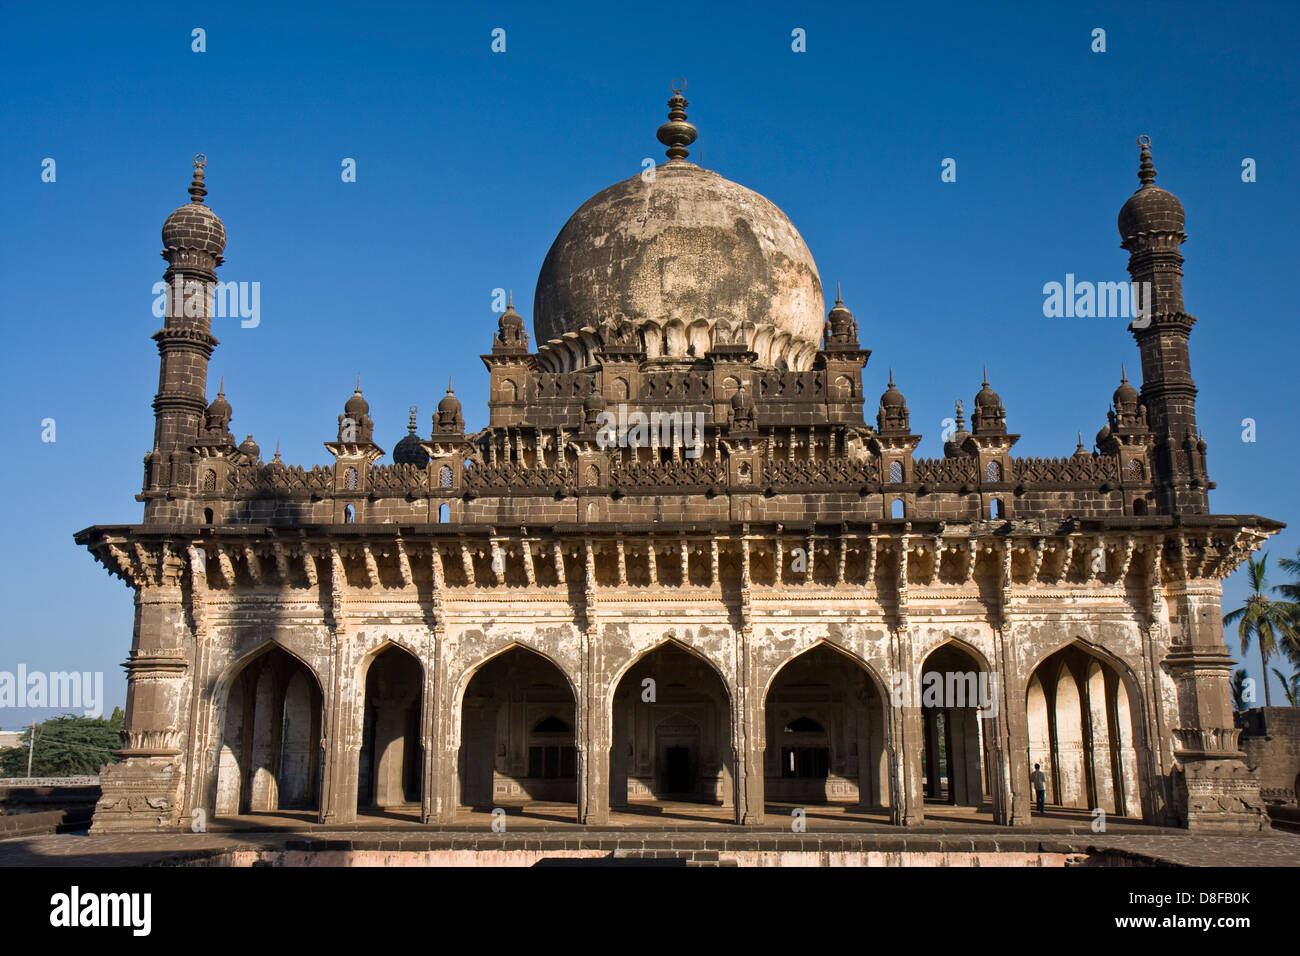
(468, 163)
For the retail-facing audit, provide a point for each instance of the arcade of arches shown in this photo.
(830, 733)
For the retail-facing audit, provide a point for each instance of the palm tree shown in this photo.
(1263, 620)
(1291, 592)
(1290, 687)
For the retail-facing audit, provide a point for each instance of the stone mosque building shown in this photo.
(531, 613)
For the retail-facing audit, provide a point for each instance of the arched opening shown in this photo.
(444, 476)
(896, 508)
(958, 703)
(349, 514)
(996, 509)
(1139, 506)
(1082, 733)
(993, 472)
(825, 730)
(444, 513)
(672, 734)
(269, 757)
(391, 750)
(207, 516)
(895, 472)
(517, 743)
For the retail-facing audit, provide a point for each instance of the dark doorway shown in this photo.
(677, 770)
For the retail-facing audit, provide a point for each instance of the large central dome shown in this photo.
(690, 259)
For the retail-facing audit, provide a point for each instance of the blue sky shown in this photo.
(469, 162)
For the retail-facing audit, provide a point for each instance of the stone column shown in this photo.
(1214, 790)
(142, 793)
(1012, 800)
(747, 736)
(907, 808)
(594, 733)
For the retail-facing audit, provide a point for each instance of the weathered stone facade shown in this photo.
(742, 615)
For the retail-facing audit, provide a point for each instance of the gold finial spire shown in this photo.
(197, 189)
(677, 133)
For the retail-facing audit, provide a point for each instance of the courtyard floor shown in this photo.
(665, 828)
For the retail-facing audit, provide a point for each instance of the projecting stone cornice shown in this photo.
(894, 555)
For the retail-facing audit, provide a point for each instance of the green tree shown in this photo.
(1290, 687)
(1263, 620)
(65, 746)
(1291, 591)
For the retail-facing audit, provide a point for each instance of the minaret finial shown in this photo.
(411, 424)
(838, 299)
(986, 376)
(510, 299)
(677, 134)
(891, 378)
(449, 385)
(1146, 172)
(221, 386)
(1123, 373)
(197, 189)
(358, 383)
(961, 421)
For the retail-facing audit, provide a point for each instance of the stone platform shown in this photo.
(681, 835)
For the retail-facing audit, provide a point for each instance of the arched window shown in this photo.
(209, 480)
(444, 477)
(1135, 470)
(995, 509)
(593, 476)
(620, 390)
(895, 471)
(993, 472)
(1139, 506)
(349, 515)
(351, 479)
(896, 509)
(207, 514)
(444, 514)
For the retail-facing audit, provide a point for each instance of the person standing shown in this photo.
(1039, 780)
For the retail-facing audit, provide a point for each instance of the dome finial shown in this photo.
(838, 299)
(221, 386)
(411, 424)
(891, 378)
(197, 189)
(961, 418)
(986, 376)
(677, 133)
(1146, 172)
(510, 299)
(1123, 373)
(358, 383)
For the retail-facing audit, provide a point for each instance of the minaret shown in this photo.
(193, 240)
(1151, 227)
